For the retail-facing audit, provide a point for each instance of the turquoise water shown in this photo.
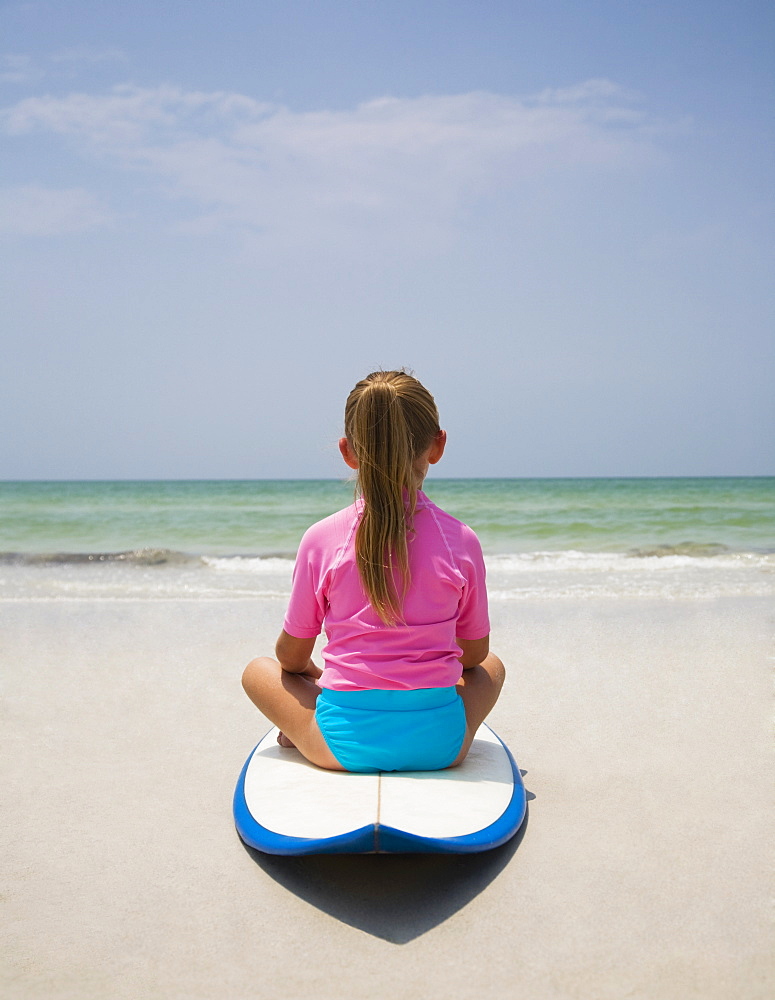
(700, 517)
(543, 538)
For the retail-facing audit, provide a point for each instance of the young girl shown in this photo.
(399, 587)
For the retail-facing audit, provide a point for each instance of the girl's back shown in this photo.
(445, 600)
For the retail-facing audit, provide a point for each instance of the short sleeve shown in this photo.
(473, 616)
(307, 606)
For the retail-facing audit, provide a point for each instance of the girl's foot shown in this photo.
(283, 740)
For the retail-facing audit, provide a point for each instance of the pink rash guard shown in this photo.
(447, 598)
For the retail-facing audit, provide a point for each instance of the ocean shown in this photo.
(542, 538)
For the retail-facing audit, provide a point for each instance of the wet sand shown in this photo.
(644, 868)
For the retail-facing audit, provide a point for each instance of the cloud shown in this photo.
(129, 115)
(589, 90)
(388, 162)
(30, 210)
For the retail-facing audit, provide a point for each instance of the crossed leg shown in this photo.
(479, 687)
(288, 701)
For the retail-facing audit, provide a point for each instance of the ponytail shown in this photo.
(390, 420)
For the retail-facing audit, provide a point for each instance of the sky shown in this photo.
(216, 216)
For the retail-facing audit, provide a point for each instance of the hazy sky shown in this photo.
(216, 216)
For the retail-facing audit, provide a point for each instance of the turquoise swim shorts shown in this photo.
(370, 731)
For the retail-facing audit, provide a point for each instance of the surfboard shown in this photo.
(283, 804)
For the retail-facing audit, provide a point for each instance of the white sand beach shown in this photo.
(644, 869)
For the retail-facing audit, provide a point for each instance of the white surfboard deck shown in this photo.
(283, 804)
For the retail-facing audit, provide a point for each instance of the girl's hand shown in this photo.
(313, 670)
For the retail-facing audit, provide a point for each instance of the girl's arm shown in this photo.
(474, 651)
(293, 655)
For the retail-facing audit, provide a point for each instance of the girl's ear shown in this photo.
(437, 448)
(347, 453)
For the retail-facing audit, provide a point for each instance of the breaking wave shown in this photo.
(133, 557)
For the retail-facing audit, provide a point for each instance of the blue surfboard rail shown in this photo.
(252, 833)
(377, 839)
(392, 841)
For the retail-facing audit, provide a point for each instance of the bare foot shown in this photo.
(283, 740)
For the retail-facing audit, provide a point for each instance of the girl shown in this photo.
(399, 587)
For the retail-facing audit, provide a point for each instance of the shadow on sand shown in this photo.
(396, 897)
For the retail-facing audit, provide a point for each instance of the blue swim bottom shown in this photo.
(377, 730)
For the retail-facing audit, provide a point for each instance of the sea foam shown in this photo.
(510, 577)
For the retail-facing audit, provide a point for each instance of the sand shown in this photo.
(643, 871)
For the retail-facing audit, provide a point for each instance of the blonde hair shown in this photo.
(390, 419)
